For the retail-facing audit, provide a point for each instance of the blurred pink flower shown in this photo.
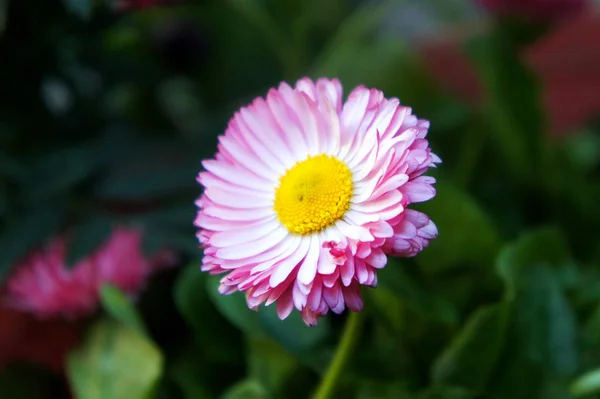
(307, 196)
(542, 10)
(42, 283)
(568, 71)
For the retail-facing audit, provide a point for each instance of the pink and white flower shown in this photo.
(42, 283)
(307, 195)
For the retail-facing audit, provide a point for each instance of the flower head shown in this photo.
(42, 283)
(307, 196)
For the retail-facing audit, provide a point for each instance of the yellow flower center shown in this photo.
(313, 194)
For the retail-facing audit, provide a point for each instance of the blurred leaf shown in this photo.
(471, 357)
(590, 336)
(234, 308)
(59, 170)
(249, 389)
(23, 233)
(81, 8)
(377, 390)
(352, 39)
(587, 384)
(121, 308)
(56, 94)
(23, 381)
(157, 169)
(467, 234)
(292, 333)
(191, 296)
(254, 13)
(3, 8)
(583, 150)
(159, 237)
(546, 322)
(514, 100)
(187, 371)
(87, 237)
(389, 307)
(221, 344)
(541, 345)
(428, 304)
(182, 105)
(544, 246)
(269, 364)
(174, 215)
(12, 168)
(114, 362)
(445, 392)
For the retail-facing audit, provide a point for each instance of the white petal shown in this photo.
(308, 270)
(246, 234)
(255, 247)
(285, 267)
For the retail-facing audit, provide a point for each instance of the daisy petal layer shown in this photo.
(382, 144)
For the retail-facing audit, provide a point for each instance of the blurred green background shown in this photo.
(107, 109)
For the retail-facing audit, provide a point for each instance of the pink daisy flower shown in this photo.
(42, 284)
(307, 196)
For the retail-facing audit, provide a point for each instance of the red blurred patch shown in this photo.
(567, 60)
(538, 10)
(24, 338)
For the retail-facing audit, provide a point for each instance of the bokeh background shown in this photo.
(108, 107)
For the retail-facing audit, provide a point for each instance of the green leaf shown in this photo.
(153, 170)
(234, 308)
(3, 8)
(377, 390)
(81, 8)
(292, 333)
(542, 344)
(388, 307)
(351, 39)
(187, 370)
(546, 323)
(467, 235)
(196, 306)
(514, 100)
(180, 102)
(427, 303)
(159, 237)
(25, 232)
(472, 355)
(11, 167)
(587, 384)
(248, 389)
(59, 170)
(269, 364)
(445, 392)
(177, 215)
(583, 150)
(545, 246)
(115, 362)
(120, 308)
(87, 237)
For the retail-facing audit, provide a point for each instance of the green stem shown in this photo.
(349, 338)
